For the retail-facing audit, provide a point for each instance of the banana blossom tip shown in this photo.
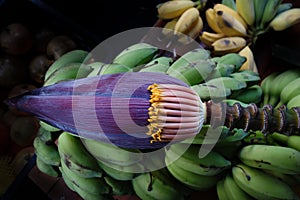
(133, 110)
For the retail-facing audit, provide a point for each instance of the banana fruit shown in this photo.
(233, 190)
(73, 153)
(228, 44)
(261, 185)
(173, 9)
(270, 157)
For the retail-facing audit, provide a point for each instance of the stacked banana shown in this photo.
(263, 171)
(282, 88)
(182, 18)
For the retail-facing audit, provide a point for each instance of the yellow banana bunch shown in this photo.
(182, 18)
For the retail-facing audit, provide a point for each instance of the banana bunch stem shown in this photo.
(252, 118)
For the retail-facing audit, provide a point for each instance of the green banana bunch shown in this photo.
(291, 141)
(281, 80)
(291, 90)
(271, 157)
(50, 170)
(87, 188)
(74, 56)
(135, 55)
(290, 179)
(259, 6)
(158, 184)
(47, 152)
(261, 185)
(233, 190)
(212, 164)
(73, 153)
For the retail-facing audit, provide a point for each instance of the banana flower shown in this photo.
(143, 110)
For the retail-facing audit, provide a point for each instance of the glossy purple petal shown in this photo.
(110, 108)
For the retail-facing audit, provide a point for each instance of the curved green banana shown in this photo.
(74, 56)
(291, 141)
(46, 168)
(119, 187)
(48, 153)
(159, 64)
(76, 157)
(291, 90)
(231, 59)
(251, 94)
(135, 55)
(266, 85)
(293, 102)
(261, 185)
(277, 158)
(221, 192)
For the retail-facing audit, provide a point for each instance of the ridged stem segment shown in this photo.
(266, 119)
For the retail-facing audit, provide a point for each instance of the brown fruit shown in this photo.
(60, 45)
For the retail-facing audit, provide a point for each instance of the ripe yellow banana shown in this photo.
(169, 26)
(285, 19)
(193, 32)
(249, 64)
(187, 20)
(208, 38)
(229, 25)
(210, 16)
(172, 9)
(246, 9)
(228, 45)
(231, 12)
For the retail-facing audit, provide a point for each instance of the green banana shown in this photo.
(68, 71)
(228, 82)
(221, 192)
(207, 92)
(283, 7)
(86, 195)
(248, 76)
(212, 164)
(159, 64)
(220, 70)
(45, 135)
(231, 59)
(112, 154)
(259, 6)
(74, 56)
(96, 68)
(48, 153)
(46, 168)
(291, 90)
(229, 3)
(119, 187)
(291, 141)
(277, 158)
(290, 179)
(261, 185)
(245, 8)
(192, 180)
(94, 185)
(48, 127)
(114, 68)
(266, 84)
(158, 184)
(252, 94)
(194, 72)
(233, 191)
(136, 54)
(269, 12)
(233, 101)
(119, 172)
(280, 82)
(189, 57)
(76, 157)
(294, 102)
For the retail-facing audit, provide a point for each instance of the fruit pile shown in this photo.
(25, 55)
(254, 155)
